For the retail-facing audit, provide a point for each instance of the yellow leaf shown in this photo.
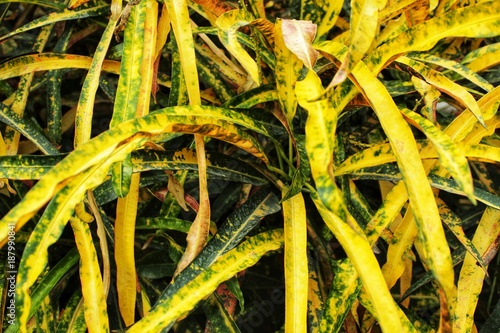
(296, 268)
(471, 275)
(364, 26)
(96, 314)
(198, 233)
(287, 71)
(85, 107)
(399, 246)
(148, 57)
(450, 156)
(421, 197)
(444, 84)
(126, 276)
(431, 96)
(228, 24)
(360, 252)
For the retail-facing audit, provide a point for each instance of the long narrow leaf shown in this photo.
(296, 268)
(126, 275)
(96, 314)
(240, 258)
(419, 191)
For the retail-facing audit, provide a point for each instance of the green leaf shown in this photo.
(28, 129)
(219, 318)
(302, 173)
(344, 291)
(85, 108)
(450, 157)
(232, 231)
(58, 17)
(48, 283)
(185, 298)
(129, 83)
(219, 166)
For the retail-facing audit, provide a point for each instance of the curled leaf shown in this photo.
(298, 37)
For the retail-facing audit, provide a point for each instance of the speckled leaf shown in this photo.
(315, 294)
(320, 133)
(219, 318)
(135, 133)
(228, 24)
(449, 185)
(185, 298)
(96, 313)
(327, 22)
(419, 191)
(454, 223)
(344, 291)
(444, 84)
(28, 129)
(450, 156)
(399, 246)
(359, 251)
(287, 71)
(471, 275)
(148, 77)
(298, 37)
(179, 19)
(59, 17)
(479, 20)
(302, 174)
(296, 277)
(48, 61)
(129, 89)
(431, 96)
(363, 28)
(252, 97)
(66, 319)
(482, 58)
(219, 166)
(382, 154)
(53, 220)
(232, 231)
(85, 107)
(455, 67)
(54, 94)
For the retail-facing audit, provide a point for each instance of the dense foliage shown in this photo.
(218, 166)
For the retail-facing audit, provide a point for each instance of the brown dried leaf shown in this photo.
(298, 37)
